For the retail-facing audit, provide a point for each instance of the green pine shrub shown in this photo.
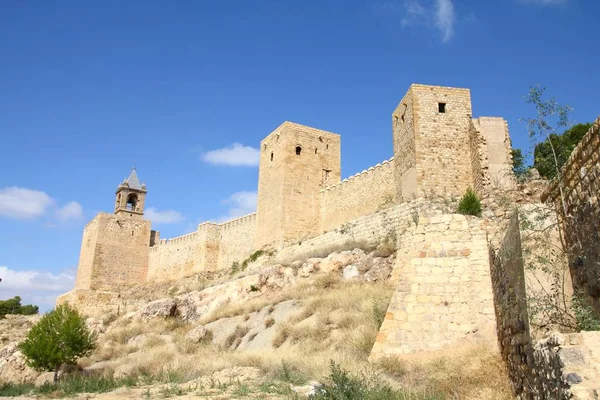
(470, 204)
(60, 337)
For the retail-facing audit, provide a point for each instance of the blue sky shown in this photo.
(187, 89)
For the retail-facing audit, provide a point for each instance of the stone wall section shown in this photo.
(444, 294)
(510, 303)
(174, 258)
(212, 247)
(358, 195)
(385, 225)
(479, 159)
(579, 208)
(87, 254)
(237, 240)
(404, 131)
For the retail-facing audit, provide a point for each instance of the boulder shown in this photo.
(13, 367)
(198, 334)
(187, 306)
(336, 261)
(351, 272)
(380, 271)
(306, 270)
(158, 309)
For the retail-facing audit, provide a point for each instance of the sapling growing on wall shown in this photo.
(470, 204)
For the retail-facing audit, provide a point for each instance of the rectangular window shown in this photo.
(442, 108)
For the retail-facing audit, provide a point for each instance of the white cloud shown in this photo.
(234, 155)
(431, 14)
(21, 203)
(445, 18)
(71, 211)
(241, 203)
(545, 2)
(163, 217)
(35, 287)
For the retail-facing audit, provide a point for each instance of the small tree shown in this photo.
(60, 337)
(470, 204)
(13, 306)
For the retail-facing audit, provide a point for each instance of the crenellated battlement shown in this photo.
(243, 220)
(362, 174)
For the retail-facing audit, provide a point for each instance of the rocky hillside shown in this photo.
(266, 332)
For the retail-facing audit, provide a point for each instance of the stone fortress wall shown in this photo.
(212, 247)
(361, 194)
(438, 148)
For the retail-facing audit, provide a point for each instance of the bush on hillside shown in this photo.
(60, 337)
(344, 386)
(470, 204)
(13, 306)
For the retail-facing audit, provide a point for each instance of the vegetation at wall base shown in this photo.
(13, 306)
(60, 337)
(470, 204)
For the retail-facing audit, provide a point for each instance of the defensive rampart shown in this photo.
(444, 295)
(237, 240)
(358, 195)
(212, 247)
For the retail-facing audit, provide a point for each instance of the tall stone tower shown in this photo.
(431, 141)
(130, 196)
(296, 162)
(115, 247)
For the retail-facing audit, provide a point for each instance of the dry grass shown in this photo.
(339, 321)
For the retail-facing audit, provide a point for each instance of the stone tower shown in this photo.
(130, 196)
(296, 162)
(431, 142)
(115, 247)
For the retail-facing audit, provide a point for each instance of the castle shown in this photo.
(439, 148)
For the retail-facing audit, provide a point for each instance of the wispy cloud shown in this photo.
(430, 14)
(234, 155)
(163, 217)
(545, 2)
(444, 18)
(240, 203)
(36, 287)
(71, 211)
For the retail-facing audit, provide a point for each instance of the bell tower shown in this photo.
(130, 196)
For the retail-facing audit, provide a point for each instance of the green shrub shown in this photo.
(343, 386)
(584, 315)
(60, 337)
(470, 204)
